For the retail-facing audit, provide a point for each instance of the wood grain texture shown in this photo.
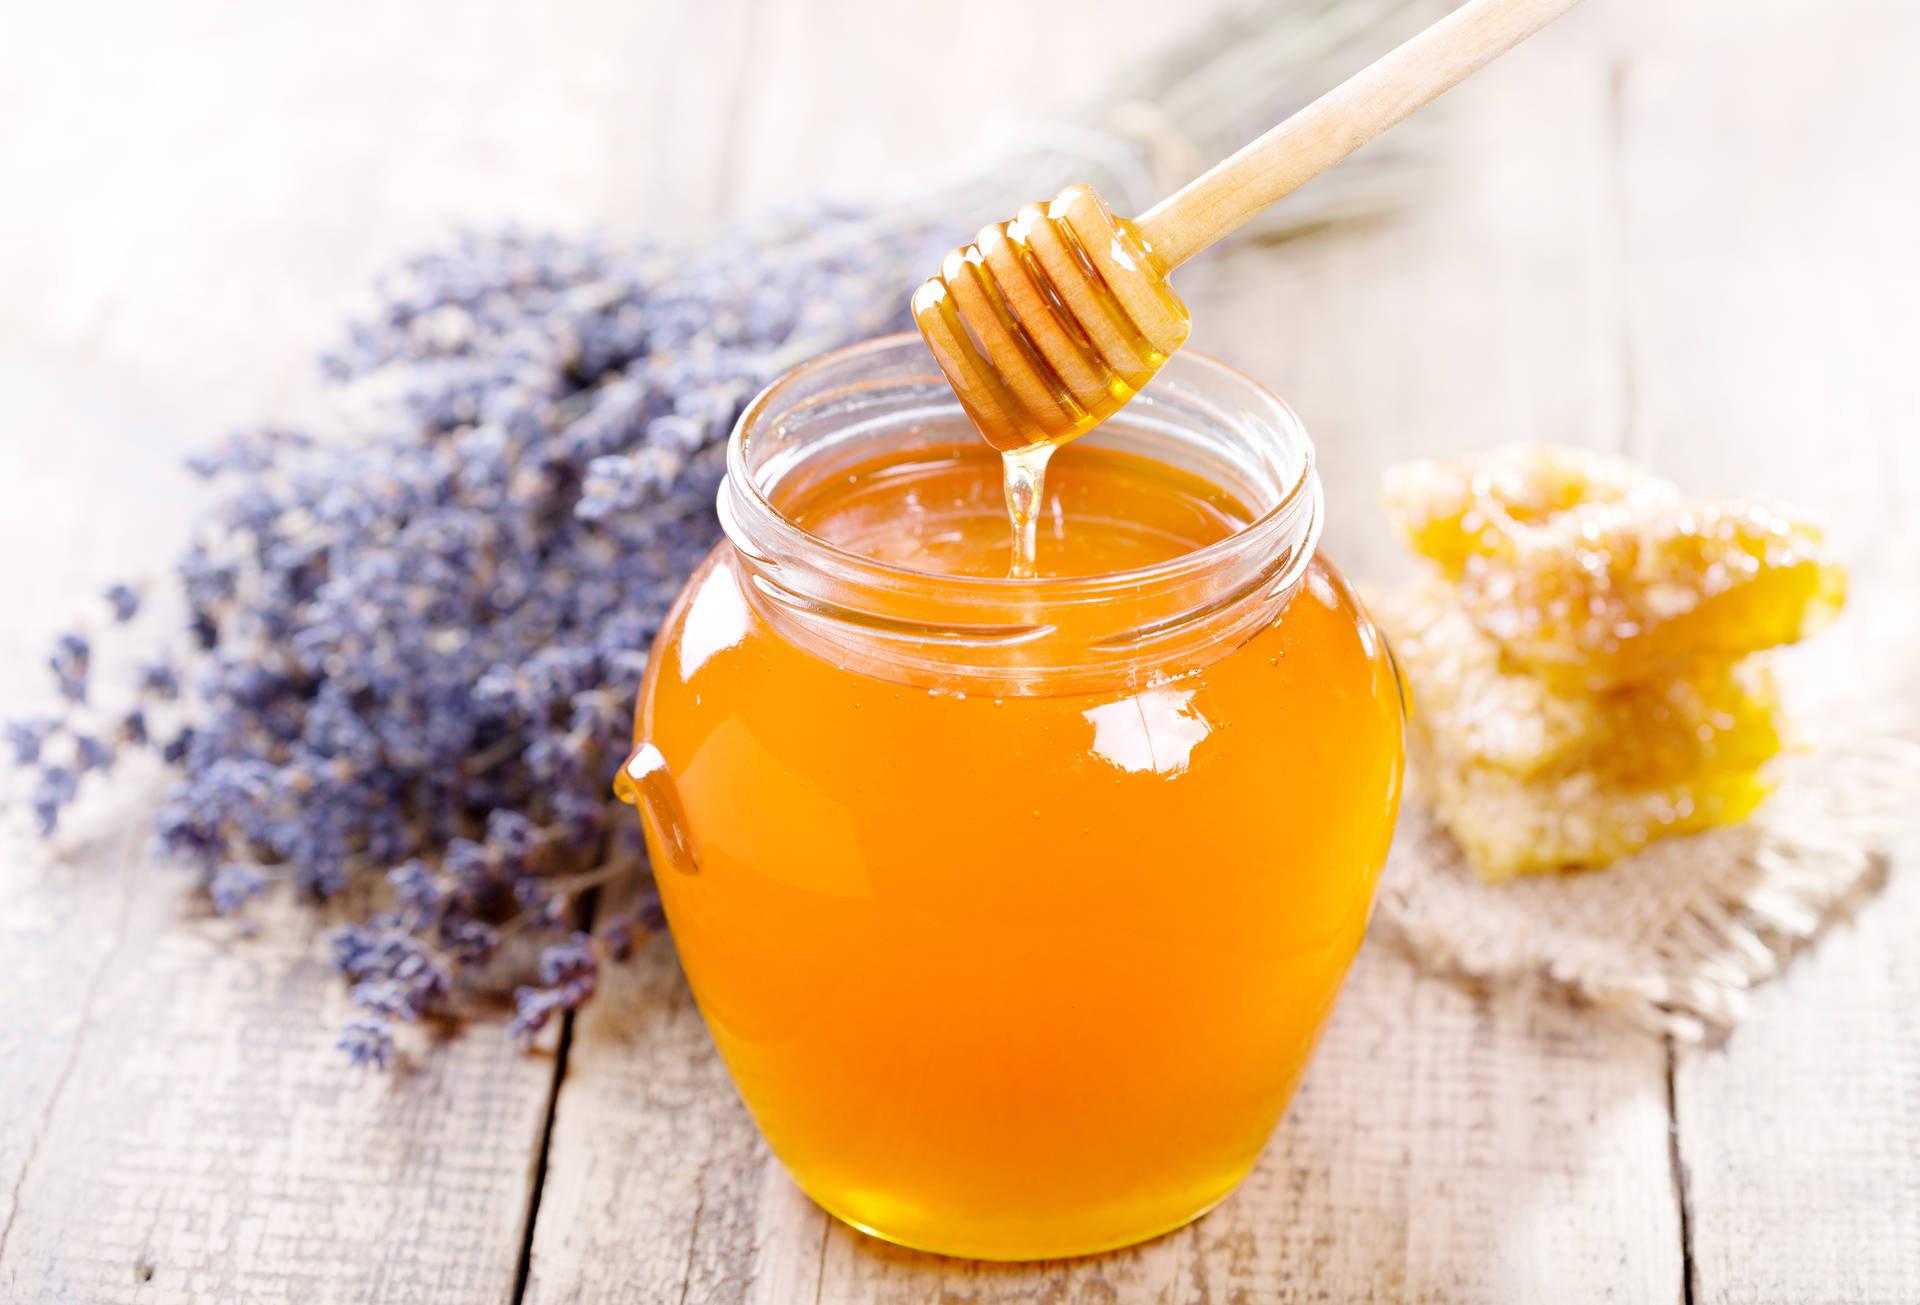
(1775, 320)
(203, 1140)
(1801, 1138)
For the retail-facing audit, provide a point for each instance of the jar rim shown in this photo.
(750, 505)
(1036, 635)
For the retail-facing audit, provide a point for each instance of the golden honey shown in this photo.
(1015, 908)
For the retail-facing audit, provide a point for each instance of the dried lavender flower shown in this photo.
(28, 737)
(71, 656)
(160, 681)
(418, 645)
(91, 753)
(55, 788)
(368, 1040)
(125, 601)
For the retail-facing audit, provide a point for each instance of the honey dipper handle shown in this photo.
(1339, 122)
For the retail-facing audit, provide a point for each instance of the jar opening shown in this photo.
(993, 633)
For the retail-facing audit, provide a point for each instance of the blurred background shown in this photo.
(1655, 220)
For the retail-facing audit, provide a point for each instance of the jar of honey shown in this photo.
(1016, 906)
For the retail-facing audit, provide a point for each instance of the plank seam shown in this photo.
(820, 1265)
(1677, 1165)
(523, 1267)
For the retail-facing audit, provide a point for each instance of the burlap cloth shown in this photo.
(1673, 938)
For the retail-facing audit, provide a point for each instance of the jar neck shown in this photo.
(1005, 637)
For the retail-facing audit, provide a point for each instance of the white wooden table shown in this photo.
(1682, 231)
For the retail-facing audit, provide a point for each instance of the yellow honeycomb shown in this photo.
(1596, 574)
(1581, 667)
(1511, 827)
(1531, 776)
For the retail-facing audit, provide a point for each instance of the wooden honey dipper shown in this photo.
(1046, 325)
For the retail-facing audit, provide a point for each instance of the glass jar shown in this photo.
(1015, 907)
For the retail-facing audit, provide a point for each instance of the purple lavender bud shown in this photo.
(350, 945)
(649, 913)
(133, 728)
(383, 997)
(532, 894)
(470, 942)
(125, 601)
(582, 819)
(160, 680)
(469, 862)
(418, 887)
(568, 961)
(69, 660)
(27, 737)
(93, 754)
(616, 935)
(174, 750)
(512, 835)
(55, 789)
(367, 1040)
(233, 884)
(534, 1007)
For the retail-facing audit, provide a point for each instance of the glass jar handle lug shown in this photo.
(646, 782)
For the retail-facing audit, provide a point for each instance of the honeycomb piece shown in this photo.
(1509, 827)
(1715, 715)
(1597, 575)
(1451, 511)
(1532, 775)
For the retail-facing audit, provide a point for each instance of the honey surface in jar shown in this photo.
(1104, 510)
(1008, 976)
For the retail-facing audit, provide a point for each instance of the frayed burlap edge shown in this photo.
(1673, 939)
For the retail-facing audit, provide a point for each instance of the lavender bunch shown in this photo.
(415, 649)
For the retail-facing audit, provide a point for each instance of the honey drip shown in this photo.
(1046, 326)
(1025, 480)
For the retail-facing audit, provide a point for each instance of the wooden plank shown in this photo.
(659, 1187)
(1775, 326)
(1801, 1138)
(177, 1123)
(202, 1139)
